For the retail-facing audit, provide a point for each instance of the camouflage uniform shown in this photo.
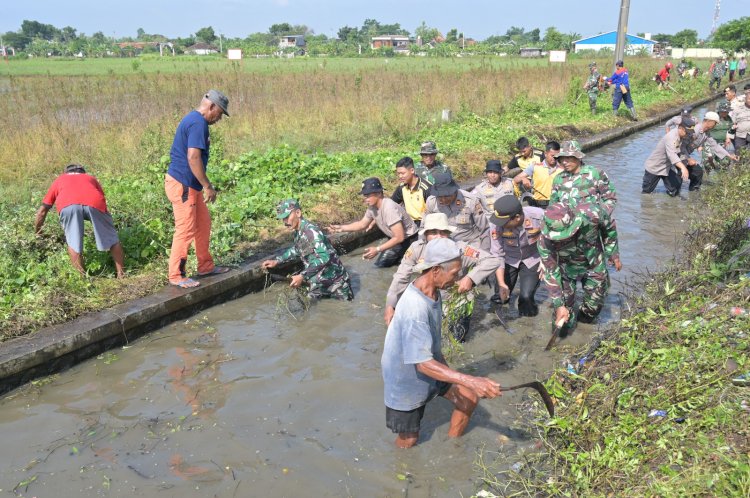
(716, 73)
(427, 174)
(592, 86)
(590, 184)
(575, 245)
(323, 271)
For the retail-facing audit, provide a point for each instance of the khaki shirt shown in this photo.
(741, 117)
(666, 153)
(388, 215)
(488, 193)
(701, 138)
(519, 244)
(476, 263)
(467, 215)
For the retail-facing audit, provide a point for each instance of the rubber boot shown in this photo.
(614, 112)
(633, 114)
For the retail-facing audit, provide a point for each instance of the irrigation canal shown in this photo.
(247, 400)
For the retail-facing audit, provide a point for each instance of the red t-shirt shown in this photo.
(75, 188)
(664, 74)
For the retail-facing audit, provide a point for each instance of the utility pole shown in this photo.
(622, 29)
(221, 43)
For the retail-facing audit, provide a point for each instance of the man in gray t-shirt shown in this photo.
(414, 370)
(391, 218)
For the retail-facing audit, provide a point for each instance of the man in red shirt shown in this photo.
(78, 197)
(662, 78)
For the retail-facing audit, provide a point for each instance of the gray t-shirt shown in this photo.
(388, 215)
(413, 337)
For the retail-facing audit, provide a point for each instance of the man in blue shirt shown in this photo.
(186, 183)
(621, 82)
(414, 369)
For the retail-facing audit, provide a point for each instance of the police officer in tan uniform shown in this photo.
(463, 209)
(494, 185)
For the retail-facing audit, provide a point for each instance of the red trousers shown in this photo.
(191, 223)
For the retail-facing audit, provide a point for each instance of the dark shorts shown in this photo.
(402, 422)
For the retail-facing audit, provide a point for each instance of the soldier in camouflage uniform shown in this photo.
(323, 271)
(575, 245)
(716, 72)
(592, 86)
(580, 182)
(429, 165)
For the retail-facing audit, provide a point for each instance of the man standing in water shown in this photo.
(581, 182)
(666, 160)
(323, 271)
(575, 245)
(414, 369)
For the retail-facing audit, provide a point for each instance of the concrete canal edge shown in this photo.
(56, 348)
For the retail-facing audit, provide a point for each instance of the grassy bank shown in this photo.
(653, 410)
(313, 135)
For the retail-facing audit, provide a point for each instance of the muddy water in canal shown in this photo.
(247, 400)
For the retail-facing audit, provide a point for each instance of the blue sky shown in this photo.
(477, 18)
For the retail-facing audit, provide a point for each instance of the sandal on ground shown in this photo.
(218, 270)
(185, 283)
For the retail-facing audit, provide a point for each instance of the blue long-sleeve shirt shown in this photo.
(620, 77)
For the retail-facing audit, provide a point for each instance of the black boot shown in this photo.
(633, 114)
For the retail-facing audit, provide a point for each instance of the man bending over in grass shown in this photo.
(78, 197)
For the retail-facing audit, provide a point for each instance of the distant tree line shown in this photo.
(39, 39)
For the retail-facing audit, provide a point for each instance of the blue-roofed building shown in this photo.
(634, 44)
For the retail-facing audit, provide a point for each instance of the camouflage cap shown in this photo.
(560, 222)
(428, 148)
(723, 106)
(592, 64)
(286, 207)
(570, 148)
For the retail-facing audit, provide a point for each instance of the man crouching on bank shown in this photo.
(414, 370)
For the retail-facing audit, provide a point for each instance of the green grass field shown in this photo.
(57, 66)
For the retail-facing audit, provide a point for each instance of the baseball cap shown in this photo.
(687, 123)
(371, 186)
(436, 221)
(494, 165)
(619, 63)
(219, 99)
(436, 252)
(505, 208)
(286, 207)
(444, 184)
(711, 116)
